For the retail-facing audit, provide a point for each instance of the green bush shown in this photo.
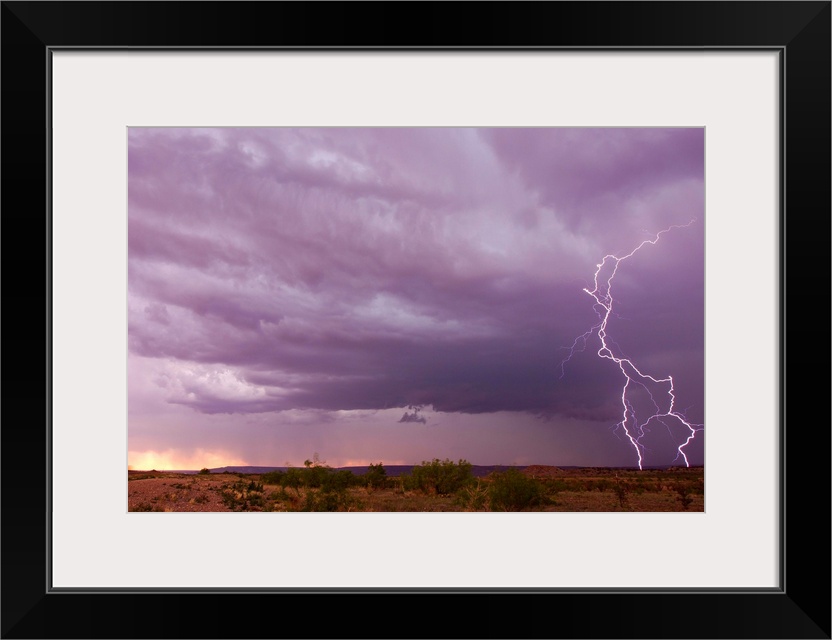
(376, 476)
(243, 496)
(557, 485)
(204, 471)
(254, 486)
(315, 474)
(326, 501)
(273, 477)
(443, 477)
(511, 490)
(337, 480)
(293, 479)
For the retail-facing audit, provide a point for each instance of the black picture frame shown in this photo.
(799, 608)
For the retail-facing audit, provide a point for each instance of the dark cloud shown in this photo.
(573, 168)
(366, 269)
(413, 417)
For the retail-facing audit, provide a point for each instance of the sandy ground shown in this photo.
(160, 491)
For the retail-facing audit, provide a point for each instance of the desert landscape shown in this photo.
(437, 485)
(519, 308)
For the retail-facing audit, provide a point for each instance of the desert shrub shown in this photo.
(599, 484)
(204, 471)
(232, 501)
(401, 484)
(622, 491)
(325, 487)
(337, 480)
(273, 477)
(145, 506)
(255, 500)
(603, 485)
(293, 480)
(442, 477)
(314, 476)
(408, 483)
(683, 491)
(332, 495)
(243, 496)
(556, 485)
(473, 496)
(511, 490)
(325, 501)
(376, 476)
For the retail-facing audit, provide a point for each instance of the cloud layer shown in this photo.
(323, 270)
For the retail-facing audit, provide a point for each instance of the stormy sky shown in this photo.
(396, 295)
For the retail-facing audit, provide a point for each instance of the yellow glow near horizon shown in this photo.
(175, 459)
(366, 463)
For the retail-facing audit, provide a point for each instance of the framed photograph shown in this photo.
(385, 319)
(254, 250)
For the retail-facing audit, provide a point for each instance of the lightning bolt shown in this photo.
(634, 428)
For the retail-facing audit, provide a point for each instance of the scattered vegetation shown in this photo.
(684, 491)
(145, 506)
(474, 496)
(622, 491)
(243, 496)
(435, 485)
(376, 476)
(511, 490)
(442, 477)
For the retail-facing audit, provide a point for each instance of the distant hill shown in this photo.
(479, 471)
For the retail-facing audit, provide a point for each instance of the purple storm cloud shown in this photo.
(294, 290)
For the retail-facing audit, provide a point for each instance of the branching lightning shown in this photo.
(633, 427)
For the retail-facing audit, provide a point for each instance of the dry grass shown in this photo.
(578, 490)
(607, 501)
(160, 491)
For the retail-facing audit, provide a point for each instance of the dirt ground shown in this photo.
(160, 491)
(574, 490)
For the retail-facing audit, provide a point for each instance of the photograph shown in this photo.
(424, 319)
(421, 309)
